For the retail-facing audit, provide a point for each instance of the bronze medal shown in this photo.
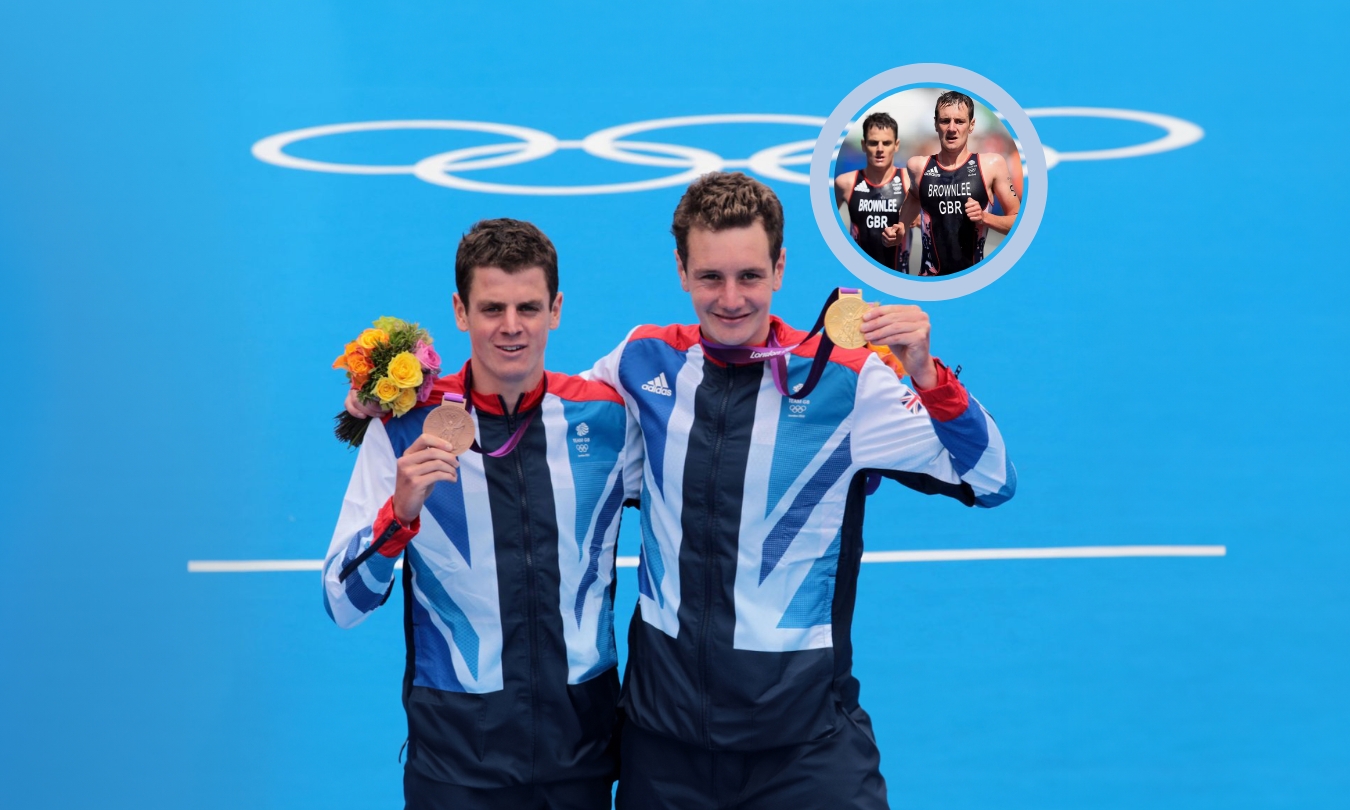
(451, 422)
(843, 321)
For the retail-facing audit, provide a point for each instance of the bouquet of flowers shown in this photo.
(392, 365)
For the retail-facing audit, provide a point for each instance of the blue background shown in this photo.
(1166, 363)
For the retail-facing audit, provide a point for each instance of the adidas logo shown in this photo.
(932, 172)
(862, 186)
(658, 385)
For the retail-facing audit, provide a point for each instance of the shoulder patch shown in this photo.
(678, 336)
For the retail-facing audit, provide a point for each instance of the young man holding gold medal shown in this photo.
(759, 446)
(510, 686)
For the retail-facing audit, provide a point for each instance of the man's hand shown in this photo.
(890, 235)
(426, 462)
(359, 409)
(903, 328)
(973, 210)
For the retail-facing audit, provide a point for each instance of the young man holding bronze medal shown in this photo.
(510, 686)
(760, 443)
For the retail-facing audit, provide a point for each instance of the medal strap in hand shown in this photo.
(451, 421)
(841, 320)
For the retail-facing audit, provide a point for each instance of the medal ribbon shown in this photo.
(776, 355)
(510, 444)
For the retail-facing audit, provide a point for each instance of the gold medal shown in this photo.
(843, 321)
(452, 423)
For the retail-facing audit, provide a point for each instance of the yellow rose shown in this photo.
(371, 338)
(407, 398)
(386, 390)
(405, 370)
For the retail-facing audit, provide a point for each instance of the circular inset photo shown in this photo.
(930, 187)
(928, 181)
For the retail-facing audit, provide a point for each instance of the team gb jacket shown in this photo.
(508, 578)
(751, 516)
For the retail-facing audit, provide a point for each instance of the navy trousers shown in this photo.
(837, 772)
(420, 793)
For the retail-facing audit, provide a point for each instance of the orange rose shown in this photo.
(341, 362)
(358, 363)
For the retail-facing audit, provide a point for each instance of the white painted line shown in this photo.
(251, 566)
(1061, 553)
(943, 555)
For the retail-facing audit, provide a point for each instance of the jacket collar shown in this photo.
(462, 381)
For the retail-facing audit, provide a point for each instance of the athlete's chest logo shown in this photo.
(797, 407)
(580, 443)
(658, 385)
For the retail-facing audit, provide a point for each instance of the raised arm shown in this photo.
(936, 437)
(380, 515)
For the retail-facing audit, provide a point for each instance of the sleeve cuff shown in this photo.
(947, 399)
(391, 534)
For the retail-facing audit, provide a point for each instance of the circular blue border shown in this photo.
(856, 118)
(822, 185)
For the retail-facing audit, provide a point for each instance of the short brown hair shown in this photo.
(511, 244)
(881, 120)
(951, 98)
(721, 200)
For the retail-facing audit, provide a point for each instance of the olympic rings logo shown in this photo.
(447, 169)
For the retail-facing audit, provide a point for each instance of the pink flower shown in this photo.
(427, 356)
(428, 380)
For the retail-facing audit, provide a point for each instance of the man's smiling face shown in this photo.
(508, 317)
(731, 281)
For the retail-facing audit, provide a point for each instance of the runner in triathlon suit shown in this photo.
(511, 684)
(876, 194)
(739, 689)
(954, 189)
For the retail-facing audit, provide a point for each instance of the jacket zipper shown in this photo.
(529, 584)
(708, 550)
